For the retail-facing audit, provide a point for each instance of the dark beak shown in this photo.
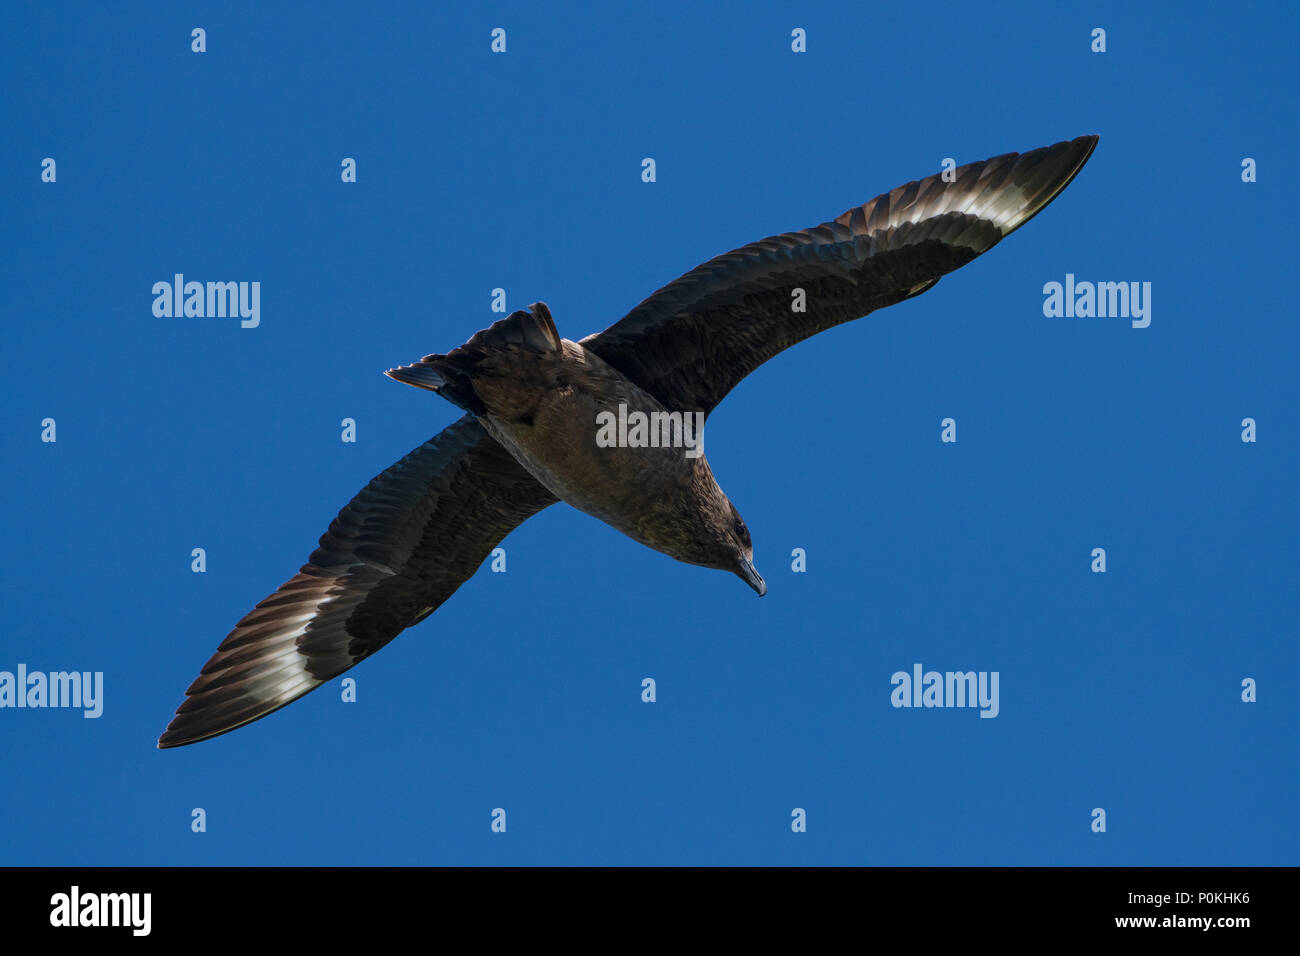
(749, 574)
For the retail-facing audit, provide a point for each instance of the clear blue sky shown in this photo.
(522, 171)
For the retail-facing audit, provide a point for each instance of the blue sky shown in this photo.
(521, 171)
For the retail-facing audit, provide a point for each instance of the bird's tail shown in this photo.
(451, 375)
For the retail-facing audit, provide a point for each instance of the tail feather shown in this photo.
(419, 375)
(451, 375)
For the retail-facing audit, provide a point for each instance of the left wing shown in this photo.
(400, 548)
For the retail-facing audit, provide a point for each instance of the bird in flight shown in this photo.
(534, 405)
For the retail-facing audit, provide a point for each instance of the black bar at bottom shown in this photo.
(301, 905)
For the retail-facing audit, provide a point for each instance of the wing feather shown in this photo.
(690, 343)
(399, 549)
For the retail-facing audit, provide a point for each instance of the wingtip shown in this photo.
(1061, 163)
(193, 732)
(172, 737)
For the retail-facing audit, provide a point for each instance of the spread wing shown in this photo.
(694, 339)
(398, 550)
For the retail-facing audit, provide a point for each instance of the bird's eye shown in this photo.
(740, 528)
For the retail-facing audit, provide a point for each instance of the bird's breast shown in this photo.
(599, 442)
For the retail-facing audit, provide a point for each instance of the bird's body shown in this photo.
(542, 397)
(533, 436)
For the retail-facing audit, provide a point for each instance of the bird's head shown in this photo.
(742, 551)
(720, 538)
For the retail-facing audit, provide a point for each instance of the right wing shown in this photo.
(694, 339)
